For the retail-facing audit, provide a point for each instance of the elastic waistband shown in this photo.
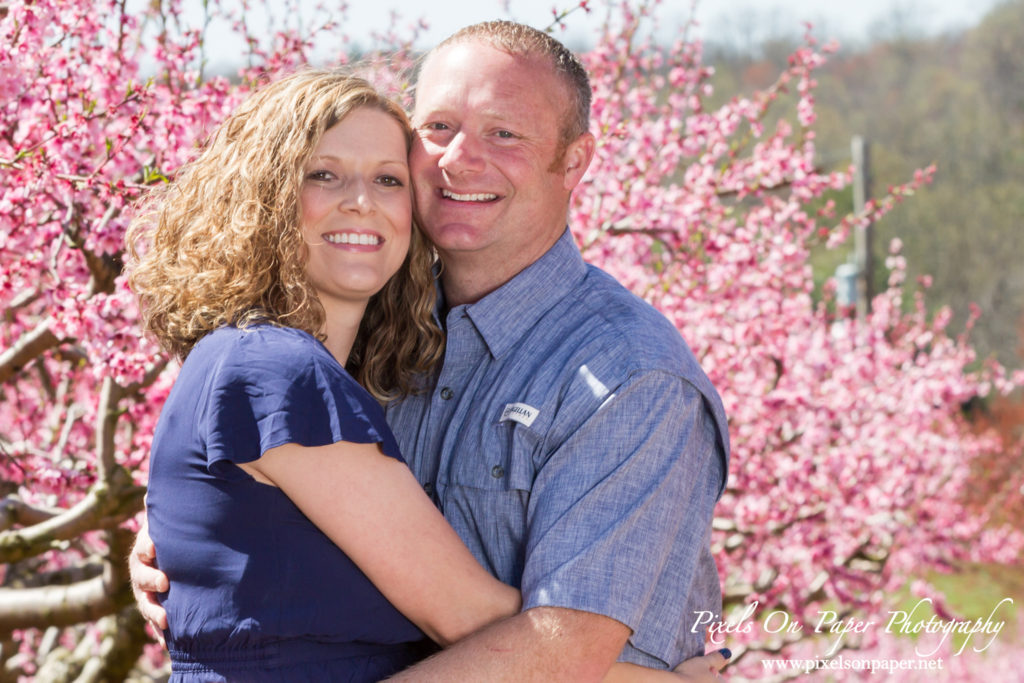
(285, 652)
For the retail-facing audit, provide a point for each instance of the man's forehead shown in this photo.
(448, 68)
(470, 53)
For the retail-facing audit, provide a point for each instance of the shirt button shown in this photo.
(429, 488)
(447, 393)
(497, 471)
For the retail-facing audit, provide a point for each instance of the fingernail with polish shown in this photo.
(726, 652)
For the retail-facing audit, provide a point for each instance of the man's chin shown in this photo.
(456, 237)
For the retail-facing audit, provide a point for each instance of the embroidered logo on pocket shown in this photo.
(519, 412)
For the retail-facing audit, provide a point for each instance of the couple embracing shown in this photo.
(499, 457)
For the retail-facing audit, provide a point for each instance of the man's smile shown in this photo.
(477, 197)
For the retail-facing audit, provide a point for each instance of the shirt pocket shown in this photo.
(501, 460)
(488, 494)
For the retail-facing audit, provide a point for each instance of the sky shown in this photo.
(731, 20)
(738, 23)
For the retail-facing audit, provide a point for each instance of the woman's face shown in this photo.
(355, 207)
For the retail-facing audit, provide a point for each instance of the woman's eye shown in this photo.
(390, 181)
(320, 176)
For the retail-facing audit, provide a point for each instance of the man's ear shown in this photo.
(577, 159)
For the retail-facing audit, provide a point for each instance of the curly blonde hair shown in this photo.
(222, 244)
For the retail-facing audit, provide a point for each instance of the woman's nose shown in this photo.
(356, 197)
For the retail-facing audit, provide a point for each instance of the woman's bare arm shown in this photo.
(373, 508)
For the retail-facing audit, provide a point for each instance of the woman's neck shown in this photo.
(341, 325)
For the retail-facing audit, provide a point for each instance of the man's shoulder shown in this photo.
(622, 324)
(618, 338)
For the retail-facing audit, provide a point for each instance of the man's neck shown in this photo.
(467, 278)
(467, 287)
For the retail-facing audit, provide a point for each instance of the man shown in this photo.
(570, 437)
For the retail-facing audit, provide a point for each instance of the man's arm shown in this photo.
(553, 644)
(147, 580)
(612, 515)
(540, 644)
(620, 517)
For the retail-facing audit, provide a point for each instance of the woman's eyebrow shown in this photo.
(403, 161)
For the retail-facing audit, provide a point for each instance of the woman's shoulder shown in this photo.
(259, 340)
(268, 370)
(260, 349)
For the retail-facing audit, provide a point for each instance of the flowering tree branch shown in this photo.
(74, 603)
(29, 346)
(103, 268)
(16, 512)
(121, 637)
(850, 456)
(106, 505)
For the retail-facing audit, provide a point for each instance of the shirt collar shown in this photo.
(506, 314)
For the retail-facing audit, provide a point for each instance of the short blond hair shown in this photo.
(222, 244)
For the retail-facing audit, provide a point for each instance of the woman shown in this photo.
(282, 266)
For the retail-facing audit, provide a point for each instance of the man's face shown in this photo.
(488, 193)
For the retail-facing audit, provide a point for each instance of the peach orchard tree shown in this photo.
(850, 456)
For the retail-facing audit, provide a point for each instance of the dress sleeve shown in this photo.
(274, 387)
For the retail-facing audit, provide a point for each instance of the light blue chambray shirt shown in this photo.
(574, 443)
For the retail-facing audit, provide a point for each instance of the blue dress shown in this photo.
(257, 591)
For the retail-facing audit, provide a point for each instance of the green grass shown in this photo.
(972, 591)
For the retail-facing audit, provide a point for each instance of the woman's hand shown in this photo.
(694, 670)
(704, 669)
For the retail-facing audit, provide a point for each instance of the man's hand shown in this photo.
(704, 669)
(147, 580)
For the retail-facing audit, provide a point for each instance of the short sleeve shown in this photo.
(620, 514)
(274, 386)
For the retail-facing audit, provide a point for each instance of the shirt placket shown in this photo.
(450, 400)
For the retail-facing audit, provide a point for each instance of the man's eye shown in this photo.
(506, 134)
(436, 125)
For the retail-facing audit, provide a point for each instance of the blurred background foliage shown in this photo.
(956, 100)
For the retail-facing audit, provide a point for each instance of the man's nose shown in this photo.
(462, 155)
